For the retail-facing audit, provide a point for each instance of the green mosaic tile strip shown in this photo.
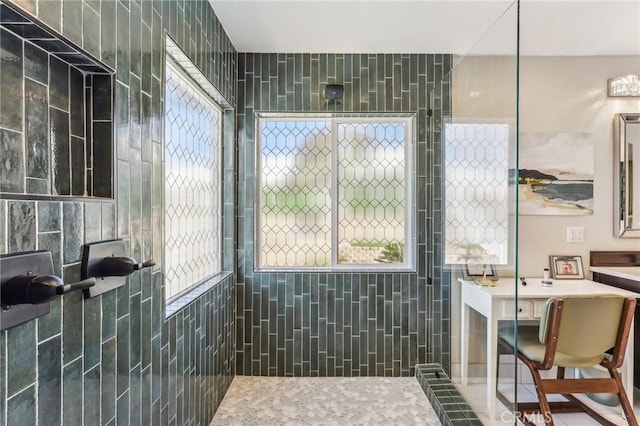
(449, 405)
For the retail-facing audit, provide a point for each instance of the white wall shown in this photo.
(557, 94)
(569, 94)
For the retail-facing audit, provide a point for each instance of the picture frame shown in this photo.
(566, 267)
(471, 271)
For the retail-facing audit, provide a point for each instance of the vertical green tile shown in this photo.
(92, 396)
(135, 393)
(36, 63)
(91, 28)
(92, 324)
(21, 408)
(135, 23)
(122, 356)
(103, 159)
(52, 242)
(60, 149)
(135, 330)
(21, 226)
(49, 216)
(11, 63)
(21, 357)
(107, 32)
(108, 384)
(122, 37)
(72, 220)
(122, 409)
(72, 326)
(12, 166)
(36, 130)
(50, 381)
(72, 21)
(92, 222)
(3, 378)
(3, 227)
(49, 325)
(72, 382)
(123, 196)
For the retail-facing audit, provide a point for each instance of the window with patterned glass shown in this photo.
(192, 182)
(334, 192)
(477, 198)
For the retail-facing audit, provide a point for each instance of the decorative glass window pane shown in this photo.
(192, 181)
(295, 188)
(332, 192)
(371, 192)
(476, 193)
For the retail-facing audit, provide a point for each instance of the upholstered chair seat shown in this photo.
(574, 332)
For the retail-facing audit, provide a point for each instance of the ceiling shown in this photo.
(548, 27)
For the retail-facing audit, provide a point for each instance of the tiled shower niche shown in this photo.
(56, 114)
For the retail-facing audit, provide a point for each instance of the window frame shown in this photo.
(409, 190)
(177, 68)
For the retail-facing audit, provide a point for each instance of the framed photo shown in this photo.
(472, 272)
(566, 267)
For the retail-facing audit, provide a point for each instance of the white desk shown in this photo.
(498, 304)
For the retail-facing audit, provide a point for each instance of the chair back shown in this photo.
(586, 325)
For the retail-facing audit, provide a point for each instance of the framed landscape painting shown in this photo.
(555, 175)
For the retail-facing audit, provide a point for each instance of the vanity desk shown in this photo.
(498, 303)
(620, 269)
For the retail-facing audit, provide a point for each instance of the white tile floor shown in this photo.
(475, 394)
(325, 401)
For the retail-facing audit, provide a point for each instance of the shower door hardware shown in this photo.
(28, 285)
(109, 264)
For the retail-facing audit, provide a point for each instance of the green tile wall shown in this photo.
(50, 106)
(343, 324)
(114, 359)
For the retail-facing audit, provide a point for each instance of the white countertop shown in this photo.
(628, 272)
(506, 287)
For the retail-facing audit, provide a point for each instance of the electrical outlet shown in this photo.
(575, 234)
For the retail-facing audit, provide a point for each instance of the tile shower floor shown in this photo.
(325, 401)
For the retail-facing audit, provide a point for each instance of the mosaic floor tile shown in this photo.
(325, 401)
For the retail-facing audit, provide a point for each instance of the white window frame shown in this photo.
(176, 67)
(408, 265)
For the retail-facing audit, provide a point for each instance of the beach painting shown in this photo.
(556, 174)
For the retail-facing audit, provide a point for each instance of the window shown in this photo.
(192, 174)
(334, 192)
(477, 193)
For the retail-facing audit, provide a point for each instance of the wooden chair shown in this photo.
(574, 332)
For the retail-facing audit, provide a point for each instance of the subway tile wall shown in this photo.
(343, 324)
(114, 359)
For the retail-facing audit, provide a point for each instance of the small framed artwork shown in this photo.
(566, 267)
(472, 272)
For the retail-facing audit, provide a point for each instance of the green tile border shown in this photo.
(449, 405)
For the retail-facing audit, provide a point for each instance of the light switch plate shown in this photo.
(575, 234)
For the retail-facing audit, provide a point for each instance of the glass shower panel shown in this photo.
(480, 146)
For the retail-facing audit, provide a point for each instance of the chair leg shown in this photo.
(560, 372)
(622, 396)
(545, 409)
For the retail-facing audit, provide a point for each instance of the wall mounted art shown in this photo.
(556, 174)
